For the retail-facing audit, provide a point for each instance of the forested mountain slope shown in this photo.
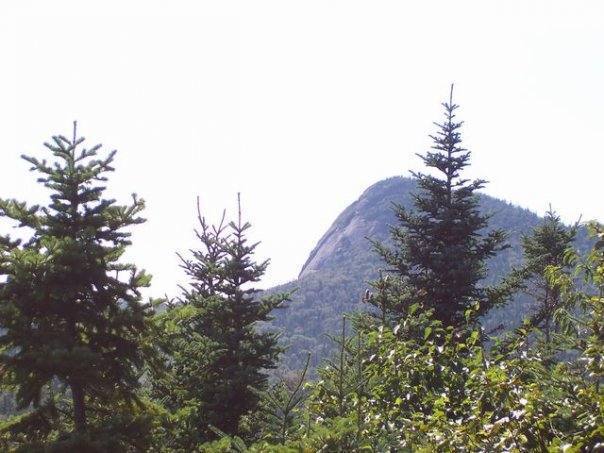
(337, 270)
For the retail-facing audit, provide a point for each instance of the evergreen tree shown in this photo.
(545, 248)
(70, 309)
(440, 248)
(222, 366)
(340, 388)
(340, 395)
(279, 415)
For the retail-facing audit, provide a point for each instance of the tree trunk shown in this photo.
(79, 410)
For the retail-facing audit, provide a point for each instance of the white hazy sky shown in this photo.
(301, 106)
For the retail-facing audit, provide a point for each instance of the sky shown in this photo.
(301, 106)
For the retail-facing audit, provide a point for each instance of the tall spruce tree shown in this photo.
(222, 365)
(440, 248)
(70, 309)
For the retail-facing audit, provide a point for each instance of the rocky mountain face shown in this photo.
(368, 217)
(337, 271)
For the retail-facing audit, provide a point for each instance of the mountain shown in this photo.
(337, 270)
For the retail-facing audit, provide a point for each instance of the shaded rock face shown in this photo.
(342, 263)
(368, 217)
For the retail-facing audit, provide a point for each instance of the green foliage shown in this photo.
(279, 411)
(544, 249)
(438, 388)
(340, 389)
(215, 356)
(179, 384)
(438, 251)
(70, 309)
